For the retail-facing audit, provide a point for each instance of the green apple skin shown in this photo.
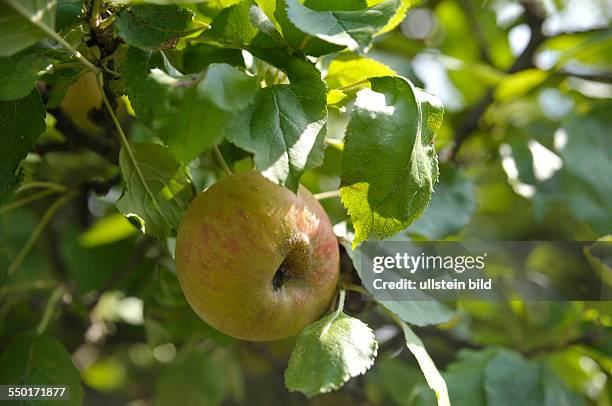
(255, 260)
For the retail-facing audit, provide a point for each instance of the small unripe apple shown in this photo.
(255, 260)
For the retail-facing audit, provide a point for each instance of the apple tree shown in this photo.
(187, 187)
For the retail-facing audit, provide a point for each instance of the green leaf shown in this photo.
(347, 70)
(430, 371)
(192, 112)
(21, 23)
(465, 377)
(556, 393)
(140, 87)
(389, 165)
(171, 2)
(581, 184)
(198, 57)
(353, 29)
(394, 381)
(109, 229)
(32, 359)
(149, 26)
(21, 123)
(519, 84)
(511, 380)
(417, 312)
(244, 24)
(91, 267)
(269, 8)
(285, 125)
(157, 188)
(68, 13)
(168, 317)
(451, 206)
(398, 17)
(59, 82)
(22, 68)
(328, 353)
(196, 378)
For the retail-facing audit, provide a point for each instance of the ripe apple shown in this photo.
(255, 260)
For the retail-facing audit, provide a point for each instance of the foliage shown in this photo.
(114, 113)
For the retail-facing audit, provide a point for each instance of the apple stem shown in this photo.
(327, 195)
(341, 298)
(336, 144)
(357, 288)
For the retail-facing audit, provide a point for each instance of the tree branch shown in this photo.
(522, 62)
(604, 77)
(76, 137)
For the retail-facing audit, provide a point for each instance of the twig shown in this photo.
(78, 137)
(481, 40)
(604, 77)
(58, 187)
(327, 195)
(101, 187)
(126, 145)
(38, 231)
(221, 160)
(522, 62)
(358, 289)
(354, 85)
(25, 287)
(26, 200)
(54, 298)
(21, 9)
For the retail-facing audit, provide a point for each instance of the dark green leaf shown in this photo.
(141, 89)
(149, 26)
(285, 125)
(556, 392)
(20, 71)
(68, 13)
(196, 378)
(353, 29)
(582, 183)
(197, 57)
(33, 359)
(511, 380)
(193, 111)
(393, 381)
(59, 82)
(21, 122)
(244, 24)
(328, 353)
(389, 165)
(91, 268)
(169, 318)
(157, 188)
(465, 377)
(21, 22)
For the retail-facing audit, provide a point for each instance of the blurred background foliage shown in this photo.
(526, 154)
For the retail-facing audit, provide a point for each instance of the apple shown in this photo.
(255, 260)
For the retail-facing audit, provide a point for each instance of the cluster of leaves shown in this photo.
(169, 95)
